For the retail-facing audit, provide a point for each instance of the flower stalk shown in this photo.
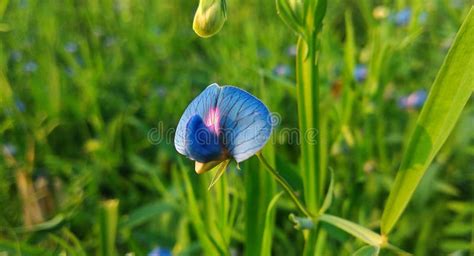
(284, 184)
(305, 18)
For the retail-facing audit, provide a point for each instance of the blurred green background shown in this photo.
(89, 91)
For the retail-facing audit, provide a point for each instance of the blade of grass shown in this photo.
(3, 7)
(208, 244)
(366, 235)
(47, 225)
(451, 90)
(145, 213)
(268, 229)
(108, 226)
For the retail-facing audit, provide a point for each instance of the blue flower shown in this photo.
(16, 56)
(222, 123)
(69, 71)
(161, 91)
(360, 73)
(263, 53)
(282, 70)
(110, 41)
(292, 50)
(402, 17)
(30, 67)
(414, 100)
(457, 4)
(158, 251)
(423, 17)
(71, 47)
(20, 105)
(9, 149)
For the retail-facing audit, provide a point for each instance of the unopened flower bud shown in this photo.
(210, 17)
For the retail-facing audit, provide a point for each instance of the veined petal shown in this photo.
(245, 122)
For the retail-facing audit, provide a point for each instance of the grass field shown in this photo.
(91, 92)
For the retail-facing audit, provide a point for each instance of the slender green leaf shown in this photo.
(3, 7)
(366, 235)
(367, 250)
(145, 213)
(50, 224)
(450, 92)
(349, 48)
(7, 94)
(69, 236)
(63, 243)
(328, 199)
(268, 229)
(207, 241)
(22, 248)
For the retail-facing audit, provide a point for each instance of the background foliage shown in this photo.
(83, 85)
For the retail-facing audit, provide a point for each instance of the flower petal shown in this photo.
(245, 122)
(201, 105)
(202, 145)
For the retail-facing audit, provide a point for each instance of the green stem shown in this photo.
(285, 186)
(308, 110)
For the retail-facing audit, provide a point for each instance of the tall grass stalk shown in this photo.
(308, 99)
(108, 227)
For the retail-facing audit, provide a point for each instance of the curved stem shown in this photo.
(285, 186)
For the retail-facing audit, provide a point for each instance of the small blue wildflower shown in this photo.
(414, 100)
(69, 71)
(23, 4)
(9, 149)
(158, 251)
(16, 56)
(30, 67)
(360, 73)
(402, 17)
(222, 123)
(156, 30)
(71, 47)
(291, 50)
(282, 70)
(423, 17)
(457, 4)
(161, 91)
(110, 41)
(20, 105)
(98, 32)
(263, 53)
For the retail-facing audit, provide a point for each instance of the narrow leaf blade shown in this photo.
(268, 230)
(367, 250)
(328, 199)
(366, 235)
(449, 94)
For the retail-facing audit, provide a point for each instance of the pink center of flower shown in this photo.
(212, 120)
